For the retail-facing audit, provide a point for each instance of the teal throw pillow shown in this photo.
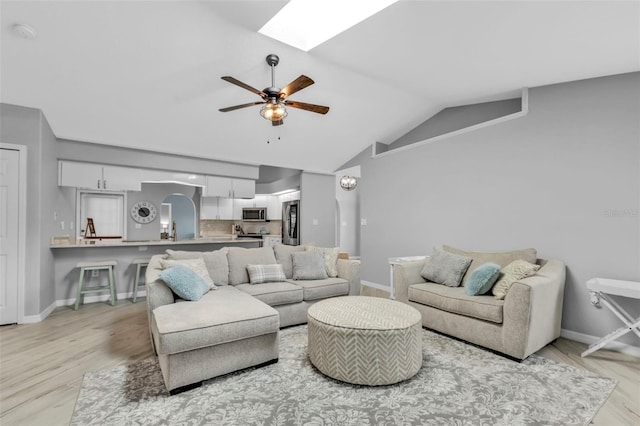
(482, 279)
(184, 282)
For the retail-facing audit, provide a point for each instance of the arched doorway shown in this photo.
(183, 213)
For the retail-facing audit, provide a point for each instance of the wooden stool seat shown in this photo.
(140, 263)
(107, 265)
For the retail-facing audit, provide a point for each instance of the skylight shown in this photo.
(305, 24)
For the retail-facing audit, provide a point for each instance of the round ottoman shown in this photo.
(365, 340)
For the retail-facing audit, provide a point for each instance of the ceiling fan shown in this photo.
(275, 100)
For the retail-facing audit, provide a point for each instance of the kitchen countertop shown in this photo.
(133, 243)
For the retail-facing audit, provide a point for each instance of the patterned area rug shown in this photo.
(458, 384)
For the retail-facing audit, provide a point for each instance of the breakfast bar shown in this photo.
(67, 256)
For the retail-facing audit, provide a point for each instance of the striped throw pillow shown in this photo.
(259, 274)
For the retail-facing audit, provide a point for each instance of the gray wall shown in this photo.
(564, 179)
(28, 127)
(156, 193)
(455, 118)
(106, 154)
(317, 202)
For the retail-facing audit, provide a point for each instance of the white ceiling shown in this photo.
(146, 74)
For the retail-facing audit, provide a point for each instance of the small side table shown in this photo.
(395, 261)
(600, 289)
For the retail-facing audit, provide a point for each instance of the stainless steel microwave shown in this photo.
(254, 214)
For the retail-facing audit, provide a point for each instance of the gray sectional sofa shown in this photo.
(526, 320)
(236, 325)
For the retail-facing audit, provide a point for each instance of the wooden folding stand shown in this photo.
(600, 289)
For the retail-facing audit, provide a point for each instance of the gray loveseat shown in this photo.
(526, 320)
(236, 325)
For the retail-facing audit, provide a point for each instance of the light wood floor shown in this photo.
(42, 365)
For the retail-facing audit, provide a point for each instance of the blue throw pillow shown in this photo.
(482, 279)
(184, 282)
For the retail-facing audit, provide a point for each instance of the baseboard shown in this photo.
(588, 339)
(100, 298)
(376, 285)
(30, 319)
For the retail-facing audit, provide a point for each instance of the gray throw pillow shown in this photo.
(445, 268)
(308, 265)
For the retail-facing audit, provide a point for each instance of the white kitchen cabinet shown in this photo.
(225, 208)
(215, 208)
(243, 188)
(274, 207)
(217, 186)
(121, 178)
(97, 176)
(208, 208)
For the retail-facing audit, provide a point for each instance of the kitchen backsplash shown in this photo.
(210, 228)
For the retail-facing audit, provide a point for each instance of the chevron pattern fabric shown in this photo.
(365, 340)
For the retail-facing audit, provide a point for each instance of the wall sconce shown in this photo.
(348, 183)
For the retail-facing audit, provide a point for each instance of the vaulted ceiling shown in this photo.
(146, 74)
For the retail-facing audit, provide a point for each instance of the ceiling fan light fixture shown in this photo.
(273, 111)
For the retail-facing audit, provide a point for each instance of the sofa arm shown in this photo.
(533, 309)
(349, 269)
(406, 274)
(158, 293)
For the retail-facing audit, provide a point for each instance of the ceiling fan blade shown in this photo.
(296, 85)
(277, 123)
(309, 107)
(244, 86)
(232, 108)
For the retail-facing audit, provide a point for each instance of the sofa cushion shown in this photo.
(274, 294)
(455, 300)
(216, 262)
(516, 270)
(221, 316)
(321, 289)
(185, 282)
(283, 257)
(217, 265)
(482, 279)
(502, 258)
(445, 268)
(330, 256)
(259, 274)
(240, 257)
(197, 265)
(308, 265)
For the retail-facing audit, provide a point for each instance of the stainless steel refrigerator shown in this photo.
(291, 223)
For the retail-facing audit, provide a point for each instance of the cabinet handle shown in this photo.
(104, 184)
(98, 183)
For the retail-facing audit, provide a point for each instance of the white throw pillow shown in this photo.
(516, 270)
(330, 259)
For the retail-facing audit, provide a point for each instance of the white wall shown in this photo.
(564, 179)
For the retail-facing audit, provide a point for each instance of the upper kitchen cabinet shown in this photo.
(217, 186)
(97, 176)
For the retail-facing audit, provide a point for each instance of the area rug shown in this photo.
(458, 384)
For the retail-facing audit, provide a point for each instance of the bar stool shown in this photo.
(140, 263)
(96, 266)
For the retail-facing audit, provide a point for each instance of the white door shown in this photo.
(9, 202)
